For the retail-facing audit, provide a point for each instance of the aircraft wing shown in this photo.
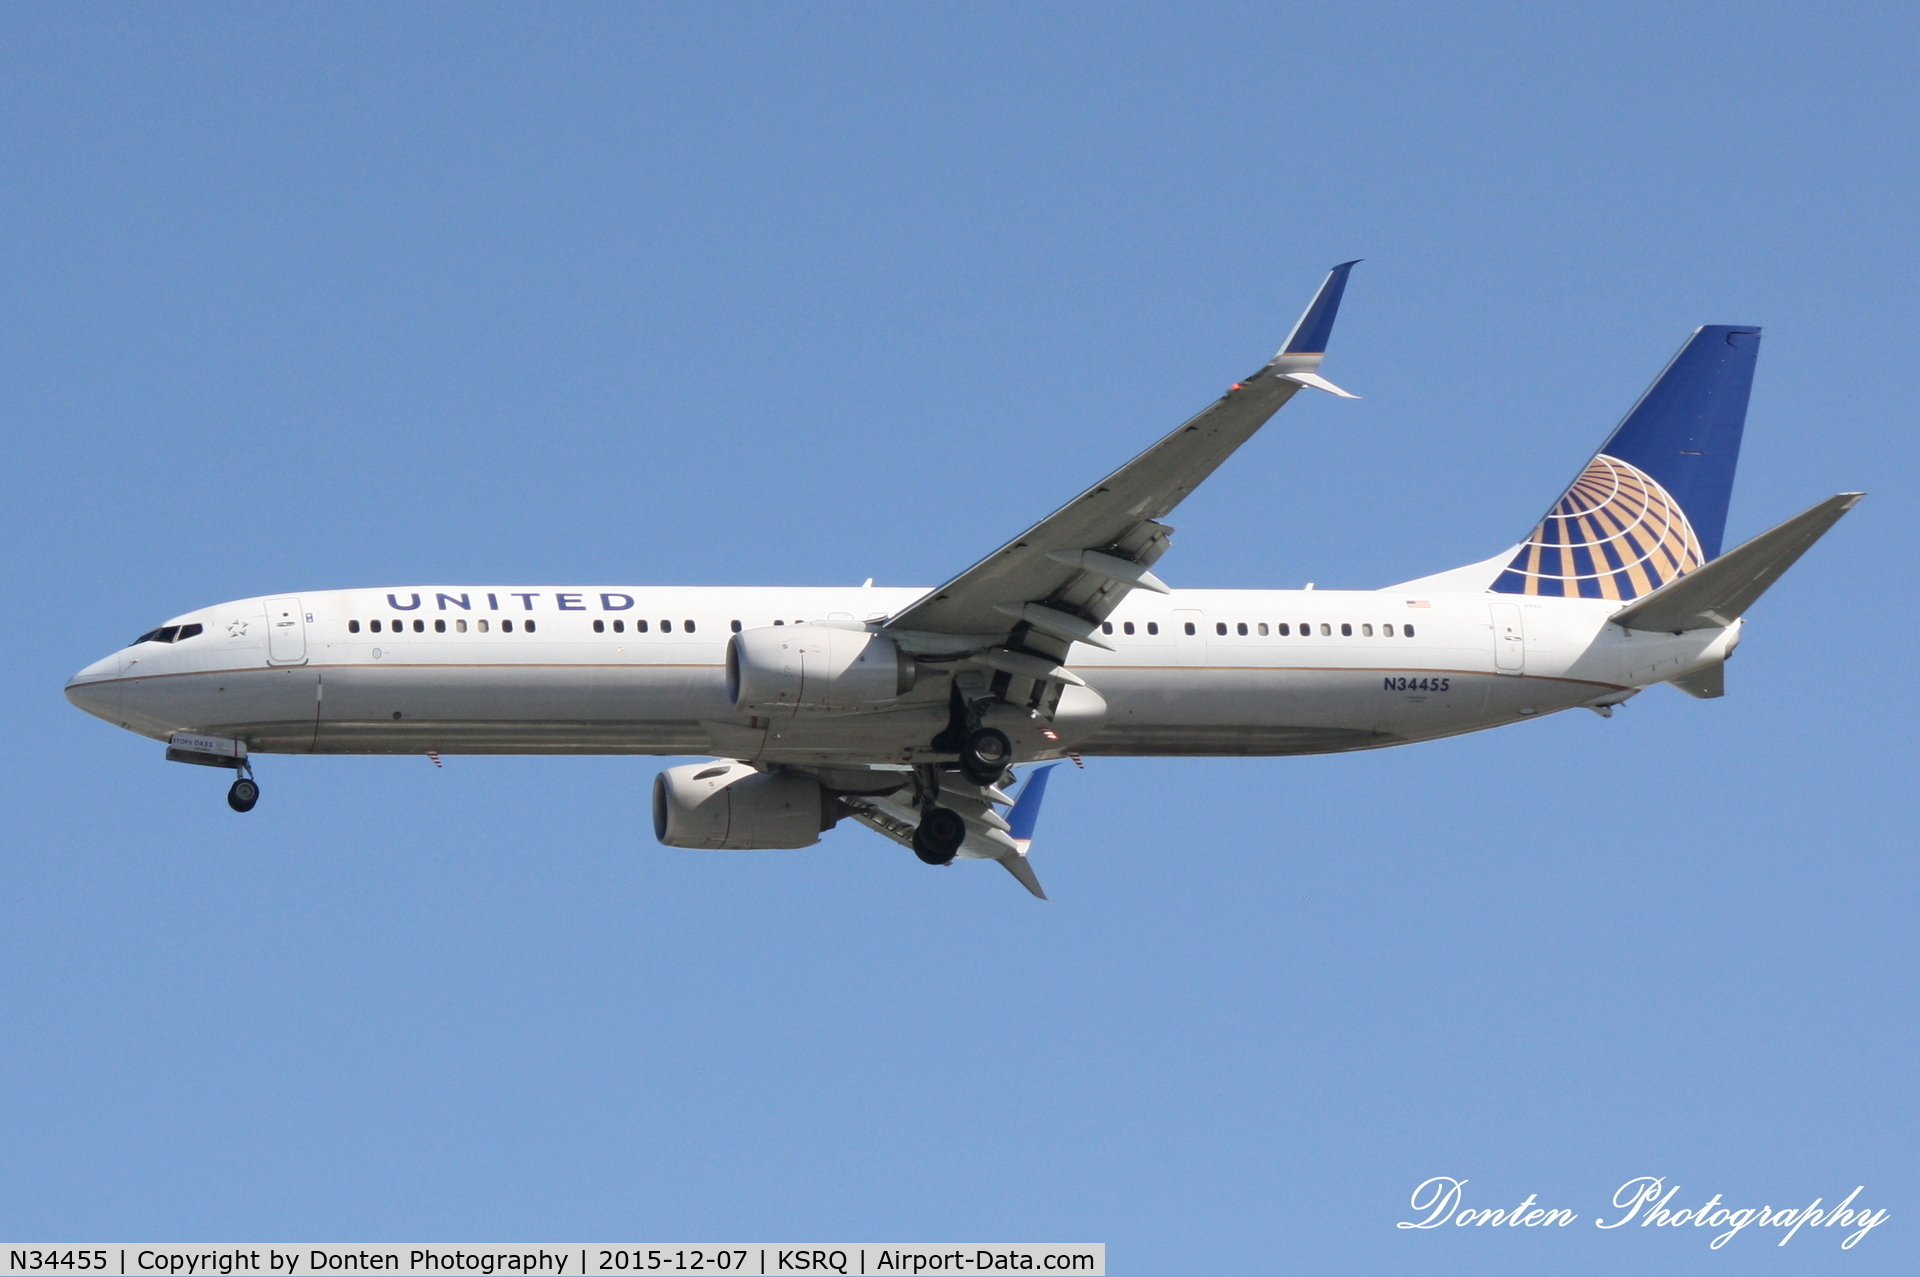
(1051, 586)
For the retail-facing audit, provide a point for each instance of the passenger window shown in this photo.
(779, 622)
(599, 627)
(1325, 629)
(1190, 627)
(1106, 627)
(1153, 627)
(639, 627)
(619, 627)
(353, 627)
(736, 627)
(374, 626)
(506, 627)
(419, 626)
(1366, 631)
(399, 625)
(666, 627)
(1285, 630)
(1387, 631)
(1241, 627)
(687, 626)
(1126, 627)
(1346, 631)
(439, 626)
(460, 625)
(483, 625)
(1220, 627)
(1407, 630)
(529, 627)
(1263, 629)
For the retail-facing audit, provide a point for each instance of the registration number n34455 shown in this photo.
(1401, 683)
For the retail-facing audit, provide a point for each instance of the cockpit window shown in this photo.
(169, 634)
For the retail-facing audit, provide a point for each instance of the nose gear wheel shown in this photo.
(244, 794)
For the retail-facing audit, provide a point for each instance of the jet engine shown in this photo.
(815, 667)
(726, 806)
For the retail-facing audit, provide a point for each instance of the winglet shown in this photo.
(1309, 336)
(1301, 353)
(1020, 822)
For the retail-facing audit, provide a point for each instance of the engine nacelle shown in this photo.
(815, 667)
(724, 806)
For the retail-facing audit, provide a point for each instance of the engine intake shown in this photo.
(815, 667)
(727, 806)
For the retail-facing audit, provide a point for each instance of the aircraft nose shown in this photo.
(96, 689)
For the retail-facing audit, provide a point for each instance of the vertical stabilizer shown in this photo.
(1652, 504)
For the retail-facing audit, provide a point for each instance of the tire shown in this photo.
(243, 795)
(985, 758)
(939, 836)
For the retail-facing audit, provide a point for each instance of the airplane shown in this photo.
(908, 710)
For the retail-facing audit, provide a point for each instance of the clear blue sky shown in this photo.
(320, 296)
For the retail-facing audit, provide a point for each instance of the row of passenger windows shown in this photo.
(439, 626)
(480, 626)
(169, 634)
(1283, 629)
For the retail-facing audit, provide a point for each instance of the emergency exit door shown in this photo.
(1189, 637)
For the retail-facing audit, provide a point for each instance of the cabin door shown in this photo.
(286, 632)
(1509, 639)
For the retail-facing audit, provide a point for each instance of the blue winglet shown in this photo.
(1309, 336)
(1026, 809)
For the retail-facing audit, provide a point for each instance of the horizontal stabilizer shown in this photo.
(1021, 870)
(1707, 683)
(1720, 592)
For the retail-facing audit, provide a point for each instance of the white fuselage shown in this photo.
(1200, 672)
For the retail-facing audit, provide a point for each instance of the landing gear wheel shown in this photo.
(986, 755)
(244, 794)
(939, 836)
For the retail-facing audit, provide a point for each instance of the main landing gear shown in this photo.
(985, 756)
(939, 835)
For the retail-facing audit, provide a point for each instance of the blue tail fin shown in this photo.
(1652, 504)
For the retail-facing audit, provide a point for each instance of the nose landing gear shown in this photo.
(218, 751)
(244, 793)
